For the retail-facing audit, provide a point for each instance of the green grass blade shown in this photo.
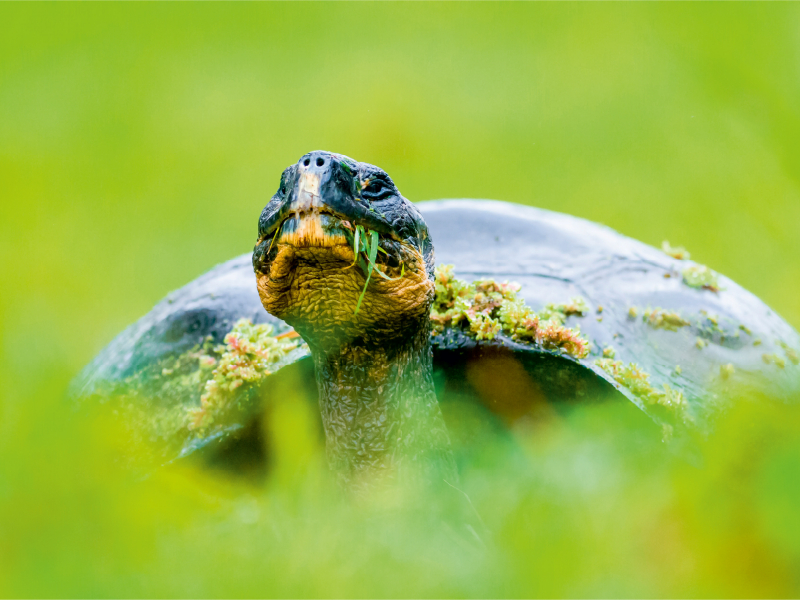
(273, 240)
(373, 248)
(364, 291)
(363, 264)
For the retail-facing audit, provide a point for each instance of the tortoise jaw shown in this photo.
(312, 228)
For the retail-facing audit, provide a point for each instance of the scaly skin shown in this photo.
(380, 413)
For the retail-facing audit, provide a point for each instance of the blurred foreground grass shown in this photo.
(138, 144)
(590, 505)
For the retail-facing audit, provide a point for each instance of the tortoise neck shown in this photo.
(382, 421)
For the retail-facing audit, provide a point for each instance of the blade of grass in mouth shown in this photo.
(366, 242)
(373, 251)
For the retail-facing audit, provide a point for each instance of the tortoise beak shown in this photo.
(306, 197)
(314, 170)
(309, 221)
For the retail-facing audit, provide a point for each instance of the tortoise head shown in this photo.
(308, 265)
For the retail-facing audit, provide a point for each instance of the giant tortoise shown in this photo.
(528, 310)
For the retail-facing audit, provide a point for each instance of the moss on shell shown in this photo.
(678, 252)
(660, 318)
(709, 326)
(576, 306)
(487, 308)
(701, 277)
(638, 382)
(774, 359)
(248, 356)
(790, 352)
(727, 371)
(193, 395)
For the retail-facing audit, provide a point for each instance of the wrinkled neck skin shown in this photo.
(381, 417)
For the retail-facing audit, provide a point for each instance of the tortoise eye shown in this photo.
(374, 189)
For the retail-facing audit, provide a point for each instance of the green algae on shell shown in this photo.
(701, 277)
(204, 391)
(485, 308)
(635, 379)
(249, 354)
(790, 352)
(660, 318)
(710, 326)
(678, 252)
(774, 359)
(576, 306)
(727, 370)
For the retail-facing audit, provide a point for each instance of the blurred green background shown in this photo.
(138, 144)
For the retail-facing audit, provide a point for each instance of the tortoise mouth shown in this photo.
(317, 225)
(309, 221)
(312, 228)
(322, 240)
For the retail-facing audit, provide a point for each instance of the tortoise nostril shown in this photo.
(307, 162)
(320, 162)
